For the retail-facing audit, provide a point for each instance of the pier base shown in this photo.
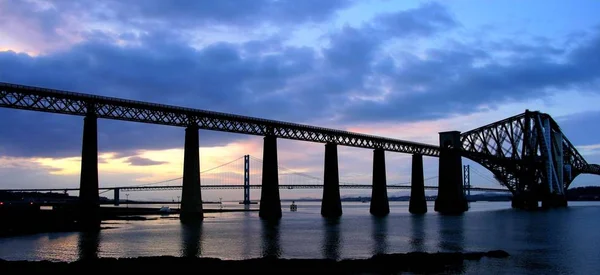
(524, 202)
(191, 197)
(554, 200)
(379, 200)
(270, 204)
(451, 199)
(331, 206)
(417, 204)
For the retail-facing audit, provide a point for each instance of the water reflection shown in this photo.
(379, 231)
(536, 235)
(191, 239)
(88, 244)
(270, 239)
(248, 233)
(331, 241)
(451, 233)
(417, 240)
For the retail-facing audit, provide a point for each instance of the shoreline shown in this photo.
(416, 262)
(21, 221)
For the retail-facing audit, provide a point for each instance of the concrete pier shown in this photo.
(380, 205)
(270, 204)
(331, 206)
(89, 210)
(524, 201)
(191, 197)
(417, 204)
(451, 199)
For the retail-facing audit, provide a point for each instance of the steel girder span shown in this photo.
(63, 102)
(527, 153)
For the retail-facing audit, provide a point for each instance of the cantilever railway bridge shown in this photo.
(528, 153)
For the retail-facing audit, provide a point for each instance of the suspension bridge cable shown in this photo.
(300, 173)
(479, 173)
(174, 179)
(409, 182)
(483, 177)
(291, 171)
(208, 170)
(320, 179)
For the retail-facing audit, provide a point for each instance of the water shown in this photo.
(558, 241)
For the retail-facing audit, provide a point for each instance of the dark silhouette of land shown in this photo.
(415, 262)
(34, 212)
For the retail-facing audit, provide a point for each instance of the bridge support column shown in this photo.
(270, 205)
(191, 196)
(116, 197)
(417, 204)
(379, 200)
(89, 210)
(451, 198)
(331, 206)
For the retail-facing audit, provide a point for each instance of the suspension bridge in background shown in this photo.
(234, 175)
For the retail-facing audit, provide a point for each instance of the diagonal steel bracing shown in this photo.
(531, 152)
(62, 102)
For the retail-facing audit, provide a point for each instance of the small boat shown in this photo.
(293, 206)
(164, 210)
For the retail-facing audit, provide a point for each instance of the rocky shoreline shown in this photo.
(414, 262)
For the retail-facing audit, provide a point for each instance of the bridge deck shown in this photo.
(63, 102)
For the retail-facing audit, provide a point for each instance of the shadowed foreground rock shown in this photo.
(417, 262)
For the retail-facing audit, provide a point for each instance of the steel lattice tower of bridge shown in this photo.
(534, 159)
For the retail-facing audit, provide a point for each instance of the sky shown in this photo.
(399, 69)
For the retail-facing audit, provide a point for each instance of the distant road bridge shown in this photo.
(251, 186)
(527, 153)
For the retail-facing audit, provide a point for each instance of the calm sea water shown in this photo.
(558, 241)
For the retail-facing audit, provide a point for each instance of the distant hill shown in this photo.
(588, 193)
(39, 197)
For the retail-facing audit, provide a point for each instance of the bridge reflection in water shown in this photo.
(191, 239)
(88, 244)
(332, 242)
(543, 242)
(271, 243)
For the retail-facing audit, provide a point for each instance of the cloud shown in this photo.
(354, 80)
(581, 125)
(191, 13)
(140, 161)
(449, 81)
(37, 26)
(46, 25)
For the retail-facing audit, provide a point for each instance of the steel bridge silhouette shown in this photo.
(527, 153)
